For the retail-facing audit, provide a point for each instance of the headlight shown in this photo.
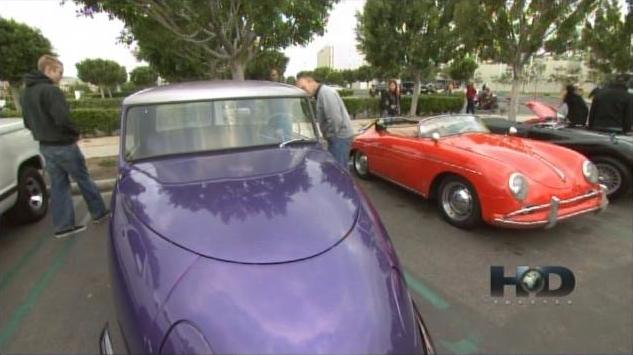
(518, 186)
(590, 171)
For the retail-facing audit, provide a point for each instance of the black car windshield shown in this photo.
(450, 125)
(188, 127)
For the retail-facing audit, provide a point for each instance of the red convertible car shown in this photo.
(477, 176)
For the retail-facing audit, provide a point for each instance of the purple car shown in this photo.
(234, 231)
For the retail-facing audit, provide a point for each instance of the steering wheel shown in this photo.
(280, 124)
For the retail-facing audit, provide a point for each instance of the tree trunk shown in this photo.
(15, 94)
(514, 95)
(101, 91)
(237, 70)
(110, 92)
(416, 94)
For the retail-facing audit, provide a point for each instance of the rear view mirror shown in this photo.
(512, 131)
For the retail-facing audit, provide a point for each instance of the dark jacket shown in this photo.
(390, 103)
(577, 109)
(612, 108)
(46, 113)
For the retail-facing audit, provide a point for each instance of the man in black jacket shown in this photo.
(47, 116)
(612, 107)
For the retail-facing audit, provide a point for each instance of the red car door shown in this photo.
(417, 162)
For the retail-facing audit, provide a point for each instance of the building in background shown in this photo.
(544, 75)
(325, 57)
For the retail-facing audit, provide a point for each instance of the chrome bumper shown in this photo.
(105, 342)
(554, 206)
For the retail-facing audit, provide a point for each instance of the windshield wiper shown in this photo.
(295, 140)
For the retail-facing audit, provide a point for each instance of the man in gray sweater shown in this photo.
(332, 116)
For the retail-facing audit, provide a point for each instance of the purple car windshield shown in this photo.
(187, 127)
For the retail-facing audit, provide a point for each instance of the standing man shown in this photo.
(612, 107)
(332, 116)
(47, 116)
(471, 96)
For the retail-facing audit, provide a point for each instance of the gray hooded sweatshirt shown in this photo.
(332, 116)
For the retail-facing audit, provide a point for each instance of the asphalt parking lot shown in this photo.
(55, 296)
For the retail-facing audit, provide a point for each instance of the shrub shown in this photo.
(88, 121)
(9, 114)
(427, 104)
(85, 103)
(345, 92)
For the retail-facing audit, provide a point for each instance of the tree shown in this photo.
(462, 69)
(365, 73)
(535, 73)
(512, 31)
(412, 42)
(105, 74)
(259, 68)
(227, 32)
(20, 48)
(143, 77)
(609, 38)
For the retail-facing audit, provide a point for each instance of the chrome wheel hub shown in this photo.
(457, 201)
(35, 194)
(360, 163)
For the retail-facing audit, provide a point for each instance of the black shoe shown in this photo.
(101, 218)
(69, 232)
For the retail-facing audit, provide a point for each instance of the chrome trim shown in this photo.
(547, 205)
(553, 213)
(397, 183)
(605, 200)
(105, 342)
(502, 221)
(555, 205)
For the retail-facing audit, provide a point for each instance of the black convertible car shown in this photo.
(611, 152)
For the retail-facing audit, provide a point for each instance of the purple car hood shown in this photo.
(266, 206)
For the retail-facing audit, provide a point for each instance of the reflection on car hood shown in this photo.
(551, 166)
(267, 206)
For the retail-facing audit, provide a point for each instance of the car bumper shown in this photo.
(547, 215)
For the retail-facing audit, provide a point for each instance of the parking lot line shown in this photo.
(416, 285)
(36, 291)
(6, 278)
(463, 346)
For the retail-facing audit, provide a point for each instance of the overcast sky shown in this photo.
(75, 38)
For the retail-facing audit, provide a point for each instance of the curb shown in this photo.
(105, 185)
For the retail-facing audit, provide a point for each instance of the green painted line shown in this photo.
(463, 346)
(6, 278)
(416, 285)
(25, 308)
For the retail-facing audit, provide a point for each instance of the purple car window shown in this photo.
(189, 127)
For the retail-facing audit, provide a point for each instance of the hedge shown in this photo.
(427, 104)
(86, 103)
(345, 92)
(89, 121)
(9, 114)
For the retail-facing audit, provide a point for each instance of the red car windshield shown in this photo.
(451, 125)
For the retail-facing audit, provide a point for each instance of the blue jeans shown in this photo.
(339, 148)
(61, 162)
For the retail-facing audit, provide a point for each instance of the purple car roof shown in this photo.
(212, 90)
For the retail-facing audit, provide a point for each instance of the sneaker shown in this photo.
(69, 232)
(102, 218)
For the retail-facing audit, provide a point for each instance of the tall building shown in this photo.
(325, 57)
